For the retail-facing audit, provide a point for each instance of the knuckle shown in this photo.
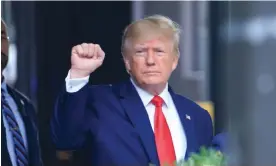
(84, 45)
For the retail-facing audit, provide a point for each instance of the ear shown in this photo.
(175, 62)
(127, 63)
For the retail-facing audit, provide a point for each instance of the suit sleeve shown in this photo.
(69, 124)
(208, 128)
(205, 128)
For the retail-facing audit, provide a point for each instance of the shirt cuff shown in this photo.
(74, 85)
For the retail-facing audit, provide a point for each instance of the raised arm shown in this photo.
(71, 118)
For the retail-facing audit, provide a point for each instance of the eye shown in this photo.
(159, 50)
(140, 52)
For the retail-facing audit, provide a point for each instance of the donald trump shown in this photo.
(140, 120)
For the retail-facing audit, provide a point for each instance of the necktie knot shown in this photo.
(157, 101)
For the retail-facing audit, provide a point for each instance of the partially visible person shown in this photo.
(219, 141)
(19, 131)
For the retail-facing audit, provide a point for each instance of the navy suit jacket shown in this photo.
(113, 119)
(28, 115)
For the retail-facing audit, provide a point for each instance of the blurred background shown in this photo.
(227, 64)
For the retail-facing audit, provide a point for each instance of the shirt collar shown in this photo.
(147, 97)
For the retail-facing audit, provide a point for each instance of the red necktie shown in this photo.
(163, 138)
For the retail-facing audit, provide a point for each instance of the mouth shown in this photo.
(151, 72)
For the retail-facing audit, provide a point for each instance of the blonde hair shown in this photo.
(159, 22)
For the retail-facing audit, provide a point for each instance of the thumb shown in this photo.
(100, 53)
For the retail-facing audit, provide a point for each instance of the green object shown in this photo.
(205, 157)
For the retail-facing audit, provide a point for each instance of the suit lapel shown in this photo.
(139, 118)
(186, 120)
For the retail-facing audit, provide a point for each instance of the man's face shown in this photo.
(150, 58)
(4, 46)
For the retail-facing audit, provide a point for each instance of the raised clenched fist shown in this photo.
(85, 59)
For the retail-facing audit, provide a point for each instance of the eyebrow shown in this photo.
(140, 46)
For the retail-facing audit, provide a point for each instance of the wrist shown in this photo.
(76, 73)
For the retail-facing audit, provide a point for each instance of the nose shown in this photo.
(150, 58)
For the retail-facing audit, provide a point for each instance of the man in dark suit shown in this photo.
(140, 121)
(19, 141)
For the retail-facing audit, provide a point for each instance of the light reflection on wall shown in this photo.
(254, 31)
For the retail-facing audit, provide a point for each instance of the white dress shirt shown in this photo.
(9, 137)
(168, 108)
